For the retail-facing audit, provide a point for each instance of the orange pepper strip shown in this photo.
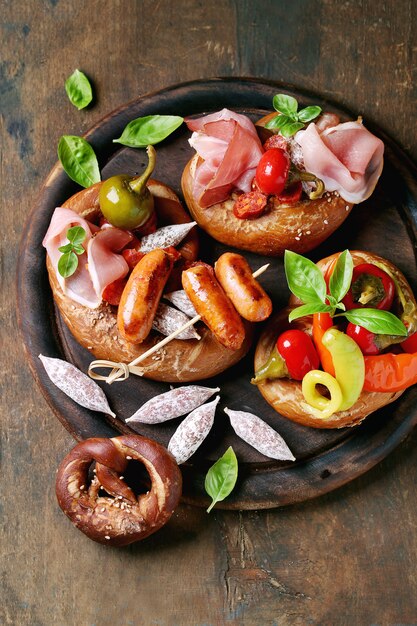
(321, 323)
(390, 372)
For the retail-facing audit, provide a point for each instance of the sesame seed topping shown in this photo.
(347, 208)
(120, 497)
(308, 232)
(103, 508)
(325, 221)
(82, 487)
(297, 238)
(128, 458)
(106, 537)
(121, 477)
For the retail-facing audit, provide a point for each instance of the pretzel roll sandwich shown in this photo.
(285, 183)
(130, 249)
(345, 346)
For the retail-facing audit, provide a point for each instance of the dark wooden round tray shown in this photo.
(326, 459)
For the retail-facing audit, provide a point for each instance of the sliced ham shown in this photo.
(230, 148)
(347, 157)
(97, 267)
(104, 264)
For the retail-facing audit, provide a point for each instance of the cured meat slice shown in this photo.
(230, 148)
(99, 266)
(347, 157)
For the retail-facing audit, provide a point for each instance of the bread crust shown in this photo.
(96, 329)
(285, 395)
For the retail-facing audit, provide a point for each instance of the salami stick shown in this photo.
(121, 371)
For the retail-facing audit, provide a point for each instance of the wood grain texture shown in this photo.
(346, 558)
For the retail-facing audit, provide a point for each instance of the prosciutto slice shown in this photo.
(230, 148)
(347, 157)
(97, 267)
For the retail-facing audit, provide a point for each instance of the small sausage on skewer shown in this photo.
(213, 305)
(249, 298)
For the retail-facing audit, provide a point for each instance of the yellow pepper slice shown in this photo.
(346, 386)
(319, 405)
(349, 365)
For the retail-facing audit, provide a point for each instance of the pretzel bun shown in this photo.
(276, 230)
(96, 329)
(117, 516)
(285, 395)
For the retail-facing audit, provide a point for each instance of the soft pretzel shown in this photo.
(117, 516)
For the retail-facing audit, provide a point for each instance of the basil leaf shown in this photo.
(308, 114)
(309, 309)
(278, 121)
(149, 130)
(78, 89)
(66, 248)
(290, 129)
(78, 160)
(78, 249)
(285, 104)
(67, 264)
(304, 278)
(76, 235)
(221, 477)
(341, 277)
(376, 321)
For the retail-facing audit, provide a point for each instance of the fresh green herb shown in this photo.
(221, 477)
(307, 283)
(149, 130)
(376, 321)
(290, 119)
(78, 89)
(341, 277)
(78, 160)
(68, 262)
(304, 278)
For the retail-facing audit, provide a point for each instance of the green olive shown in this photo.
(126, 202)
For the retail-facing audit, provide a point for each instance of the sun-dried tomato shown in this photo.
(251, 205)
(113, 292)
(132, 257)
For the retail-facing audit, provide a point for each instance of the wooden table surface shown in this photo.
(346, 558)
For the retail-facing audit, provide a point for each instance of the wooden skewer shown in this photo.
(121, 371)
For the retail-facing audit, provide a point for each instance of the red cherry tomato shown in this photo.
(272, 171)
(370, 287)
(364, 338)
(410, 344)
(298, 352)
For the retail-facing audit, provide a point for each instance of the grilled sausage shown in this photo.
(140, 297)
(213, 305)
(249, 298)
